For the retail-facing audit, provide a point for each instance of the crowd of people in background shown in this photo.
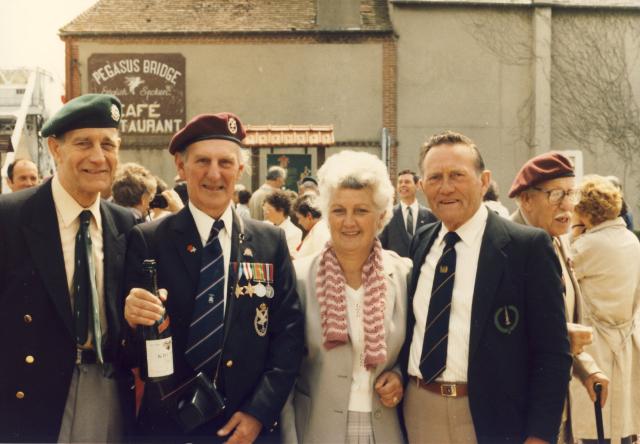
(387, 320)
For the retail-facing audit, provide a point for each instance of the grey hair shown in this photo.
(276, 172)
(356, 170)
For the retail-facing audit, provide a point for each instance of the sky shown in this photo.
(29, 32)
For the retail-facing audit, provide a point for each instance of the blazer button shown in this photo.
(377, 414)
(229, 363)
(27, 319)
(19, 395)
(29, 359)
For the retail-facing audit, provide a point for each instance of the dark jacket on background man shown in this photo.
(395, 237)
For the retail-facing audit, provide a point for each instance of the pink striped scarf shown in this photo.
(330, 290)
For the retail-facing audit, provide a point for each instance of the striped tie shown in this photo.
(206, 328)
(86, 302)
(434, 348)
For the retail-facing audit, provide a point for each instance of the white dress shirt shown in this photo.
(467, 254)
(204, 222)
(68, 212)
(361, 384)
(415, 207)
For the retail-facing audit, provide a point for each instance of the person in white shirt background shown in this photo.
(276, 208)
(309, 216)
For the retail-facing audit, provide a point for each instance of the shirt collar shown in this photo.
(413, 205)
(204, 222)
(68, 208)
(471, 229)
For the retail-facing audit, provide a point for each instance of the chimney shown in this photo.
(338, 14)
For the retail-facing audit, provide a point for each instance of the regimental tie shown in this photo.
(409, 222)
(434, 348)
(86, 304)
(206, 329)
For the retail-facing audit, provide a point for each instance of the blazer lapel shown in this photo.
(400, 225)
(42, 233)
(423, 215)
(187, 243)
(114, 248)
(239, 239)
(491, 266)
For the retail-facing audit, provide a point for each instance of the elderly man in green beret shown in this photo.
(61, 260)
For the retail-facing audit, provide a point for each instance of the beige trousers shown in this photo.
(434, 419)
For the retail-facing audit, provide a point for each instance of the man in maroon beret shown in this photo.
(545, 192)
(234, 311)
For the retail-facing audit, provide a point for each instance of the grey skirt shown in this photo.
(359, 428)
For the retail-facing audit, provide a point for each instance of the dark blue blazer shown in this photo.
(36, 316)
(517, 380)
(395, 237)
(256, 372)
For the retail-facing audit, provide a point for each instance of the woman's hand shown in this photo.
(389, 388)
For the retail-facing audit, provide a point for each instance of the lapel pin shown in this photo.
(506, 319)
(247, 252)
(191, 248)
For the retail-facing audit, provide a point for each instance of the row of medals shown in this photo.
(261, 289)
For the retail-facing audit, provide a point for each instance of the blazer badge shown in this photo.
(506, 319)
(261, 320)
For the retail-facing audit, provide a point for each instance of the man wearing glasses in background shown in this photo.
(546, 193)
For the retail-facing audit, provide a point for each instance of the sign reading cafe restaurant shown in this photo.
(150, 87)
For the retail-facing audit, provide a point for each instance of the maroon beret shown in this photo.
(225, 126)
(539, 169)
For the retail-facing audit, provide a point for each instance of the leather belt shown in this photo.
(446, 389)
(85, 356)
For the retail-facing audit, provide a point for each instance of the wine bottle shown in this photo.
(158, 346)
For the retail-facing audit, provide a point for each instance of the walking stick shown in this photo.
(597, 387)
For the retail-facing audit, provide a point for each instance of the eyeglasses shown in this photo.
(556, 196)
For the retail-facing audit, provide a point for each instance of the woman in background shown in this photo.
(607, 265)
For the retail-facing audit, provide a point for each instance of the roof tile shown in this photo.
(111, 17)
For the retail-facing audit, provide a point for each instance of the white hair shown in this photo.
(356, 170)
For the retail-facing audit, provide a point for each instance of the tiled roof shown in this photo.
(600, 4)
(113, 17)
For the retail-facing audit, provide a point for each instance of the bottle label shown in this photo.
(159, 357)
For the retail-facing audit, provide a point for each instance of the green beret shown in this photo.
(86, 111)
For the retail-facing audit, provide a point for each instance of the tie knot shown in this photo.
(451, 238)
(215, 229)
(85, 217)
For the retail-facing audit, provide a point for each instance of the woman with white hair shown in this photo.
(606, 259)
(354, 297)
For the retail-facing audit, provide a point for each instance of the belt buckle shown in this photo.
(448, 390)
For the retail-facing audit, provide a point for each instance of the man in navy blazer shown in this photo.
(497, 369)
(262, 325)
(408, 216)
(53, 385)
